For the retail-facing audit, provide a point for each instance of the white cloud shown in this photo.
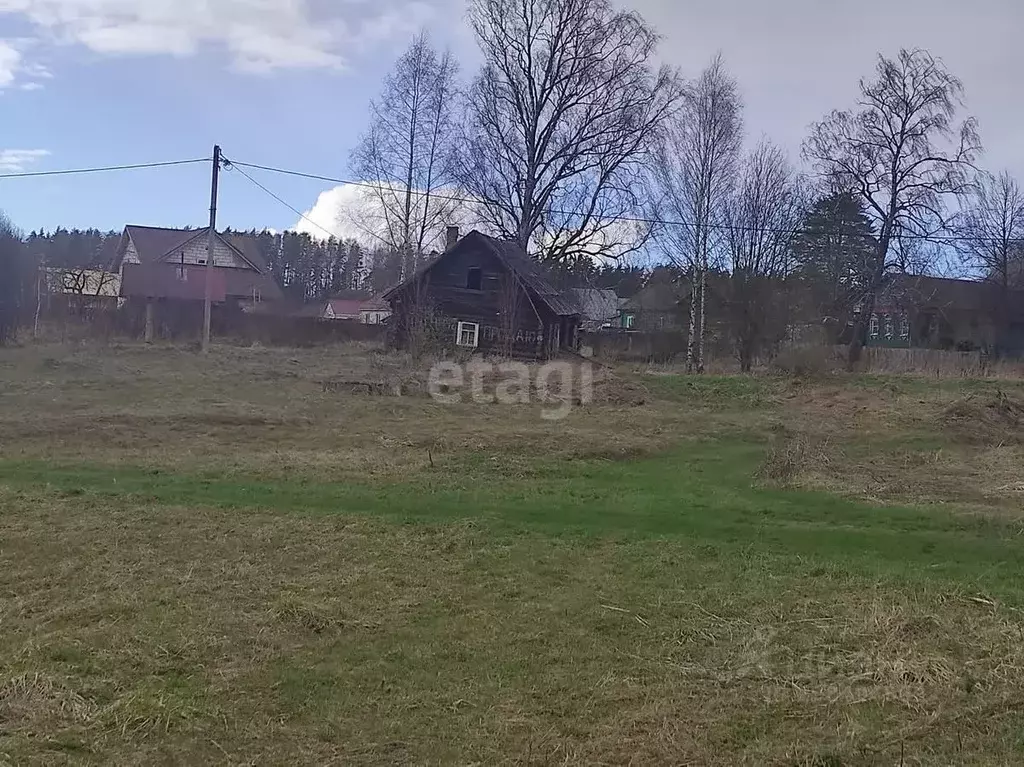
(258, 35)
(336, 211)
(10, 64)
(15, 71)
(17, 160)
(352, 212)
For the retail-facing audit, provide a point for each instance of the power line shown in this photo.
(76, 171)
(938, 239)
(234, 166)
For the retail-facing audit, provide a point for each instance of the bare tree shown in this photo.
(697, 170)
(406, 154)
(992, 230)
(992, 242)
(562, 123)
(903, 153)
(762, 216)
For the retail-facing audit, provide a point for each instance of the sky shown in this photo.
(286, 83)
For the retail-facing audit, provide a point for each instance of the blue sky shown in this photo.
(286, 83)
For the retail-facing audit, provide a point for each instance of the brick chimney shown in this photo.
(451, 237)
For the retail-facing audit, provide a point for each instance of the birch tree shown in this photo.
(761, 219)
(697, 170)
(562, 124)
(406, 155)
(904, 153)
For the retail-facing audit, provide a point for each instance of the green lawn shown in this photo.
(315, 579)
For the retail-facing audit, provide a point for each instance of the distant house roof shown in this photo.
(342, 308)
(345, 307)
(162, 278)
(659, 297)
(375, 304)
(944, 294)
(153, 243)
(597, 304)
(515, 259)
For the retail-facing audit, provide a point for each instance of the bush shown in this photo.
(803, 361)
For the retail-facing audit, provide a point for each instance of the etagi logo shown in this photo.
(558, 385)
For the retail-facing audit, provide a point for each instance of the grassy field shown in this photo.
(225, 561)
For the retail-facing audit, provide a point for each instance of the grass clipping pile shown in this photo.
(991, 419)
(601, 386)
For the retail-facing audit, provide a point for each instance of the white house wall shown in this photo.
(131, 255)
(194, 252)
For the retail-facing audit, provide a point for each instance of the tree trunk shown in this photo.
(703, 318)
(856, 348)
(693, 322)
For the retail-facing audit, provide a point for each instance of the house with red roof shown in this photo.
(161, 264)
(369, 311)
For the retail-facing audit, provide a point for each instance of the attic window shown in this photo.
(475, 279)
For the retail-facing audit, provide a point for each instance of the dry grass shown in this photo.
(737, 627)
(170, 408)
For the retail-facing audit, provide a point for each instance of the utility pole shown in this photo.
(210, 242)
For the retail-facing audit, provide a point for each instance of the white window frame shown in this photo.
(890, 327)
(468, 327)
(873, 326)
(904, 328)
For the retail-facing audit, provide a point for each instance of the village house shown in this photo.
(486, 294)
(940, 313)
(157, 264)
(368, 311)
(600, 309)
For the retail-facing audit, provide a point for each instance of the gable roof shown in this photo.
(656, 297)
(154, 243)
(345, 306)
(942, 293)
(597, 304)
(513, 258)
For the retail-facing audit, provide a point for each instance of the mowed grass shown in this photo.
(207, 561)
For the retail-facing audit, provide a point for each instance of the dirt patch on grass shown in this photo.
(986, 419)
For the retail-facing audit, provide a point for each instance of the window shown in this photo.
(182, 273)
(467, 334)
(904, 328)
(475, 279)
(873, 326)
(888, 327)
(256, 295)
(628, 320)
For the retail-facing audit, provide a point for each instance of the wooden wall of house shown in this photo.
(195, 252)
(446, 291)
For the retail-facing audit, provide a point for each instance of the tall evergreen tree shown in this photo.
(12, 277)
(833, 256)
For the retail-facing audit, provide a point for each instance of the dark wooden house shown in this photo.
(484, 294)
(940, 313)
